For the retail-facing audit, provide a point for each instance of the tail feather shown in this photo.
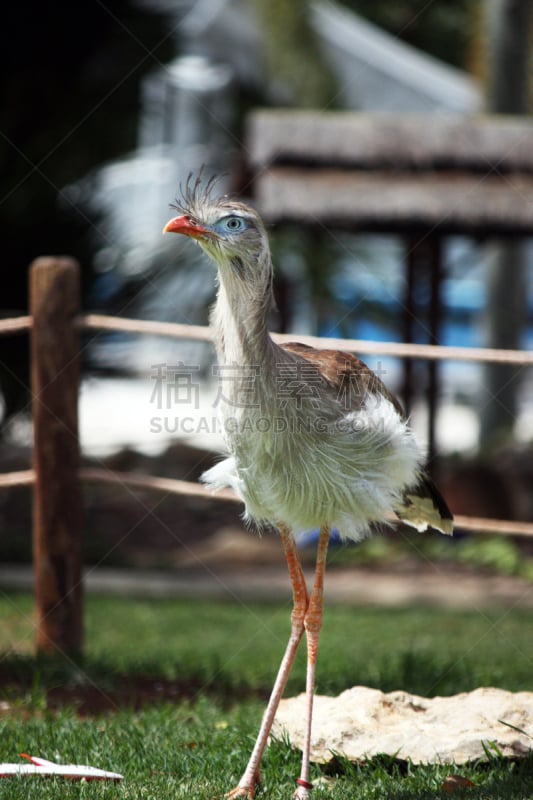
(424, 507)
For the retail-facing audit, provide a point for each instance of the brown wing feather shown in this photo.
(350, 376)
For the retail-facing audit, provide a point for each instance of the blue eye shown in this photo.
(231, 224)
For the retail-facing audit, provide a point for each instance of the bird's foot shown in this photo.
(242, 791)
(246, 788)
(303, 790)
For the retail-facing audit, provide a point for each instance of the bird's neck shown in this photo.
(240, 318)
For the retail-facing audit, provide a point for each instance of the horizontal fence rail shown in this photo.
(153, 483)
(396, 349)
(11, 325)
(201, 333)
(25, 477)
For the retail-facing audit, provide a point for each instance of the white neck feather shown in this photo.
(240, 316)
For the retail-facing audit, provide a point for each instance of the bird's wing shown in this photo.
(348, 375)
(422, 504)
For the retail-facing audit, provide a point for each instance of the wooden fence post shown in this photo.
(57, 535)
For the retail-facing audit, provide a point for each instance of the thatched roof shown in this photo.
(394, 172)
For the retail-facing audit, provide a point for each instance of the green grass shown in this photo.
(498, 554)
(224, 656)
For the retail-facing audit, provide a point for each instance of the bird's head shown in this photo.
(231, 233)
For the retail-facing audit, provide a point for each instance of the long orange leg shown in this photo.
(250, 778)
(313, 624)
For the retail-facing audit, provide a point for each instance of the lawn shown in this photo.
(183, 686)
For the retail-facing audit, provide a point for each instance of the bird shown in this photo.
(316, 440)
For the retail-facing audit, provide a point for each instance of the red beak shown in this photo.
(186, 226)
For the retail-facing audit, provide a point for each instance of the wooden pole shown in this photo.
(57, 539)
(408, 322)
(435, 320)
(509, 56)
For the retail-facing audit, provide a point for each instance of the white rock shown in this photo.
(361, 723)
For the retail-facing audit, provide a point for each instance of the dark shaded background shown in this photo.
(70, 77)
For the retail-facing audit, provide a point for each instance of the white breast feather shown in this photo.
(347, 475)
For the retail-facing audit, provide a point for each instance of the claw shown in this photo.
(246, 789)
(242, 791)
